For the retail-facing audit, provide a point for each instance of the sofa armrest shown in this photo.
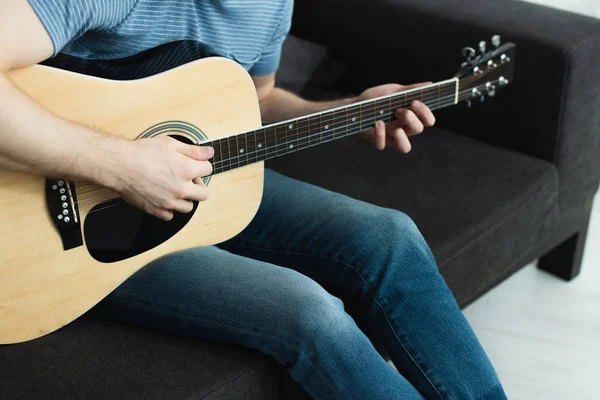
(552, 110)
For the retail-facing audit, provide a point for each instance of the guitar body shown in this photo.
(43, 286)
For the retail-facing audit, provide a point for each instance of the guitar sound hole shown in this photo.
(115, 230)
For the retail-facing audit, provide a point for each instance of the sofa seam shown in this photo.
(244, 375)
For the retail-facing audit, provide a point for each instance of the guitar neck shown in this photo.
(312, 130)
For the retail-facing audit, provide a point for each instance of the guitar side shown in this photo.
(44, 287)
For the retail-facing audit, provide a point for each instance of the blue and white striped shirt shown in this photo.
(250, 32)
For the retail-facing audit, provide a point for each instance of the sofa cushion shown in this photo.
(93, 358)
(481, 208)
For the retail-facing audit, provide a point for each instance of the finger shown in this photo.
(379, 136)
(200, 169)
(165, 215)
(400, 140)
(196, 191)
(198, 153)
(424, 113)
(183, 206)
(411, 124)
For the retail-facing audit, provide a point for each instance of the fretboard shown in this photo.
(301, 133)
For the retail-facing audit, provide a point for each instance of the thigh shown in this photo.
(336, 240)
(213, 294)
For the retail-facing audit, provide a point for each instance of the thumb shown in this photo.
(198, 153)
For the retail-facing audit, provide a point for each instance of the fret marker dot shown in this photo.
(354, 119)
(260, 145)
(241, 150)
(326, 127)
(291, 126)
(291, 146)
(381, 112)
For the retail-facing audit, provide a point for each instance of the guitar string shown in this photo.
(397, 99)
(400, 103)
(329, 138)
(335, 120)
(448, 103)
(305, 139)
(420, 95)
(121, 201)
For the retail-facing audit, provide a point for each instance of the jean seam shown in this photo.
(372, 295)
(284, 342)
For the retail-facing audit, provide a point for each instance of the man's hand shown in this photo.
(163, 175)
(408, 122)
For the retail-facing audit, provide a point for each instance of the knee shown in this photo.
(318, 318)
(395, 248)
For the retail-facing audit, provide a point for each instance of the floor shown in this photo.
(542, 334)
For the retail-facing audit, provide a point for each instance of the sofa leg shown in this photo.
(564, 261)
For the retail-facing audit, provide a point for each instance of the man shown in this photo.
(277, 287)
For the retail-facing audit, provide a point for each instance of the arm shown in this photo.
(167, 174)
(279, 105)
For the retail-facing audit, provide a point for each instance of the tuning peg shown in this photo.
(482, 47)
(491, 89)
(469, 103)
(468, 53)
(496, 41)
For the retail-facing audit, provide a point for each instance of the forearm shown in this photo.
(281, 105)
(33, 140)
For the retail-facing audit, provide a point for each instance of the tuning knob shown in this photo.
(468, 53)
(496, 41)
(502, 81)
(483, 46)
(475, 92)
(469, 104)
(491, 89)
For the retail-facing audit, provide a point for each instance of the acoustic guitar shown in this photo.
(66, 245)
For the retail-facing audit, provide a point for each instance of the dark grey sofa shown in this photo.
(491, 188)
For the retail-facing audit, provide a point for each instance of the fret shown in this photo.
(290, 144)
(251, 147)
(243, 152)
(382, 110)
(335, 124)
(320, 128)
(302, 127)
(328, 126)
(235, 151)
(216, 160)
(314, 129)
(281, 140)
(368, 116)
(353, 114)
(227, 163)
(346, 119)
(261, 145)
(439, 88)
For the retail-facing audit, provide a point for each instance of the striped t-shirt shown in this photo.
(250, 32)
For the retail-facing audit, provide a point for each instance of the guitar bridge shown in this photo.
(64, 212)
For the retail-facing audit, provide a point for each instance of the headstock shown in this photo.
(486, 71)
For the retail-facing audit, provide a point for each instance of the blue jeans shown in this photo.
(281, 287)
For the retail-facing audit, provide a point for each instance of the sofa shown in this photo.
(492, 187)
